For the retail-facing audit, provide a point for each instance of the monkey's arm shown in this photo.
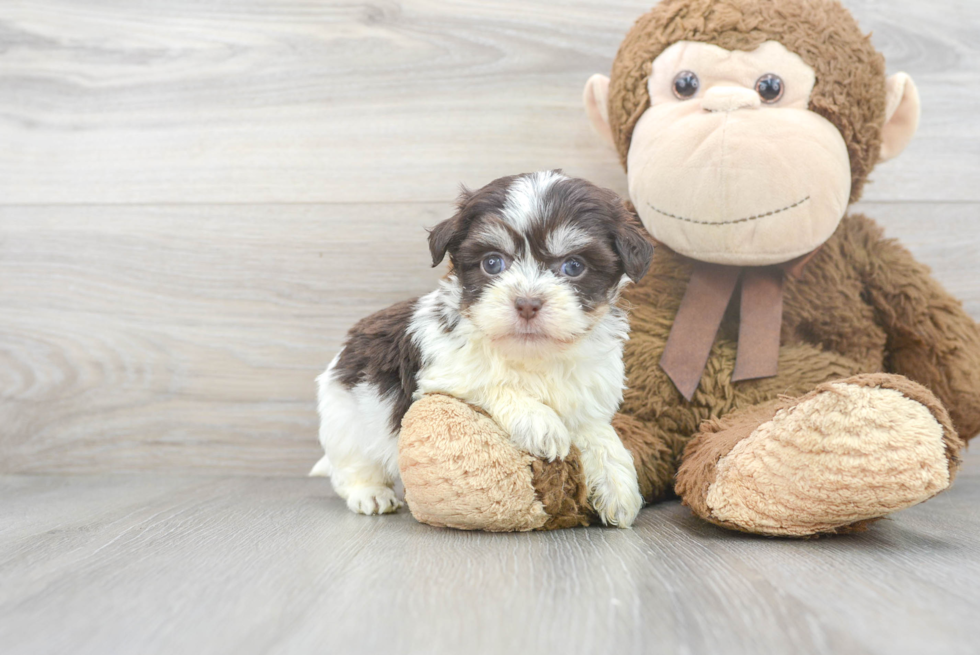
(931, 339)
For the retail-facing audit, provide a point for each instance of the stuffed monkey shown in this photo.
(790, 371)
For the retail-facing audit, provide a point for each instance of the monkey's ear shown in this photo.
(901, 115)
(596, 99)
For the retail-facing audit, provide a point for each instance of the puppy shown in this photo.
(525, 326)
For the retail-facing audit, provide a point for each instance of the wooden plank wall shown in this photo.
(197, 198)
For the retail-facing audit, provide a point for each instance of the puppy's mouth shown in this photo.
(529, 335)
(533, 337)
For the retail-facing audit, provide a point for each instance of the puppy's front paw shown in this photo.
(541, 433)
(372, 500)
(616, 497)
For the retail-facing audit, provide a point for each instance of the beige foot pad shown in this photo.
(848, 452)
(461, 471)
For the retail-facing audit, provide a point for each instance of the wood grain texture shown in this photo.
(312, 101)
(142, 328)
(136, 564)
(187, 337)
(198, 198)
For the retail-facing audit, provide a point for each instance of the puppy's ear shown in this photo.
(441, 236)
(633, 246)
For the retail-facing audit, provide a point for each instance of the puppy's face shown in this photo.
(540, 257)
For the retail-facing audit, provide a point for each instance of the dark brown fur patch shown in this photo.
(560, 486)
(380, 352)
(468, 256)
(471, 205)
(617, 243)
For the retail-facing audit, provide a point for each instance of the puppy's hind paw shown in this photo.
(373, 500)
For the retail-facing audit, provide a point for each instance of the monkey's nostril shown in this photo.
(528, 307)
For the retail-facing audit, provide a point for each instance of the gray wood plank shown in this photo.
(186, 338)
(137, 564)
(186, 101)
(151, 337)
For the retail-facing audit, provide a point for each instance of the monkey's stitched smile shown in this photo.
(738, 220)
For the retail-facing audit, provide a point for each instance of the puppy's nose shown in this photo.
(528, 307)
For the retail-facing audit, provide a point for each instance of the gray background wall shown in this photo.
(198, 198)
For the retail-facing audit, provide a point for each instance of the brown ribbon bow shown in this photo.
(761, 316)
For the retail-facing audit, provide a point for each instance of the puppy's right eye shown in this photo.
(572, 267)
(494, 264)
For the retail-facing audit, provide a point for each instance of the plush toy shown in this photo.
(791, 371)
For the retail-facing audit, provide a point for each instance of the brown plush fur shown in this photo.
(850, 85)
(560, 486)
(844, 316)
(861, 307)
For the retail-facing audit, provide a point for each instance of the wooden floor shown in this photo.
(159, 564)
(199, 197)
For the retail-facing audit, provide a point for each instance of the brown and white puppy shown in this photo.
(526, 326)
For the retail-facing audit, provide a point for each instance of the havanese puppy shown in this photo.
(526, 326)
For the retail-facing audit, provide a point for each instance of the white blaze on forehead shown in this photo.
(566, 238)
(525, 198)
(526, 277)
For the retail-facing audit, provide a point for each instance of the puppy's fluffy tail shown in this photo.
(321, 468)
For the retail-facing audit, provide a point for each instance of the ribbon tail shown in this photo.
(696, 324)
(760, 322)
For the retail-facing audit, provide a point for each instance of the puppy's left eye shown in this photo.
(572, 267)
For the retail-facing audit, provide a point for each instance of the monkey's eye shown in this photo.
(686, 84)
(572, 267)
(769, 87)
(494, 264)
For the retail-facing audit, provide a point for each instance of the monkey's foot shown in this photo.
(849, 452)
(461, 470)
